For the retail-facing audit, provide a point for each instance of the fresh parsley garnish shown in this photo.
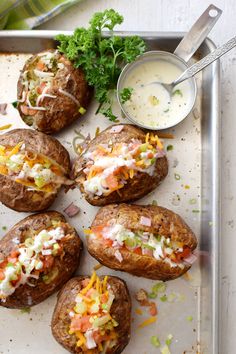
(125, 94)
(101, 58)
(14, 104)
(177, 92)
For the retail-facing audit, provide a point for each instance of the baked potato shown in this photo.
(37, 256)
(33, 167)
(93, 315)
(121, 164)
(148, 241)
(51, 92)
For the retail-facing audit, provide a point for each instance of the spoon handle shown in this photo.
(216, 54)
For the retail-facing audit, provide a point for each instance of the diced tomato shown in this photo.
(48, 261)
(138, 250)
(12, 260)
(3, 264)
(41, 87)
(80, 323)
(180, 256)
(108, 242)
(27, 111)
(14, 254)
(98, 230)
(90, 292)
(104, 298)
(14, 282)
(40, 65)
(2, 276)
(153, 309)
(99, 338)
(112, 182)
(150, 155)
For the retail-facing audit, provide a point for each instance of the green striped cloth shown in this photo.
(27, 14)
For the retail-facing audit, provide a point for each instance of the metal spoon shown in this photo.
(200, 65)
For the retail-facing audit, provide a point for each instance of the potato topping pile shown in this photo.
(142, 243)
(38, 80)
(109, 166)
(30, 169)
(91, 321)
(33, 258)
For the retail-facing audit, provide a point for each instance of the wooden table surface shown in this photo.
(179, 15)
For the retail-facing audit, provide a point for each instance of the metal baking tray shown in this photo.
(195, 196)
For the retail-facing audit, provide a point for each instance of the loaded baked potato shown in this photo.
(37, 256)
(121, 164)
(51, 92)
(33, 167)
(93, 315)
(148, 241)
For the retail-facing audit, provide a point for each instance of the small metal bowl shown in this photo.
(152, 56)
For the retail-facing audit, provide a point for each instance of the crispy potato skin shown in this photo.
(25, 295)
(61, 111)
(135, 188)
(163, 220)
(120, 311)
(16, 196)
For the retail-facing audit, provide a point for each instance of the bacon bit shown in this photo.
(97, 266)
(145, 221)
(72, 210)
(138, 312)
(116, 129)
(147, 322)
(165, 135)
(7, 126)
(3, 109)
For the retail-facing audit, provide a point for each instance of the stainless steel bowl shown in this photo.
(152, 56)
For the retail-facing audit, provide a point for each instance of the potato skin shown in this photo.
(16, 196)
(140, 265)
(135, 188)
(61, 111)
(25, 295)
(120, 311)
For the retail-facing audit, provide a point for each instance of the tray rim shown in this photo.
(216, 151)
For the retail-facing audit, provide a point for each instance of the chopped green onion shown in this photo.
(145, 245)
(166, 110)
(163, 298)
(193, 201)
(177, 92)
(154, 202)
(177, 176)
(14, 104)
(169, 340)
(170, 147)
(165, 350)
(195, 211)
(4, 228)
(25, 310)
(159, 287)
(152, 295)
(155, 341)
(189, 318)
(82, 110)
(171, 297)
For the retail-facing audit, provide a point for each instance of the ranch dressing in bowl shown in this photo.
(149, 104)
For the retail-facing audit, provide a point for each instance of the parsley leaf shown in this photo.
(125, 94)
(101, 58)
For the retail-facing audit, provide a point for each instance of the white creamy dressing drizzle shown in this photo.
(150, 104)
(29, 260)
(152, 246)
(96, 185)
